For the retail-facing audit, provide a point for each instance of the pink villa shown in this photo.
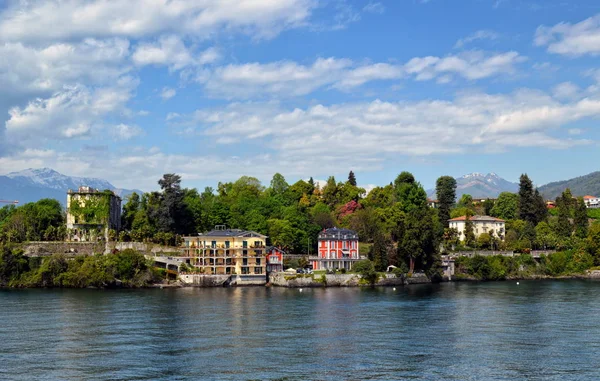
(338, 249)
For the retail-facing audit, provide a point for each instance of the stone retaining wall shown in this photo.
(200, 280)
(71, 248)
(43, 248)
(329, 280)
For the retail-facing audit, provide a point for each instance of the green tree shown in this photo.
(488, 205)
(446, 194)
(378, 252)
(527, 210)
(130, 209)
(593, 242)
(352, 179)
(331, 195)
(545, 236)
(469, 231)
(278, 184)
(580, 219)
(506, 207)
(484, 241)
(563, 226)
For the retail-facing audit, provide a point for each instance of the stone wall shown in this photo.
(144, 248)
(71, 248)
(200, 280)
(43, 248)
(328, 280)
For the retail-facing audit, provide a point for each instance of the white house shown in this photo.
(481, 224)
(591, 201)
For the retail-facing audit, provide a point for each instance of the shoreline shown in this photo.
(385, 283)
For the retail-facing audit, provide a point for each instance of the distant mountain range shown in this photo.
(32, 185)
(481, 186)
(579, 186)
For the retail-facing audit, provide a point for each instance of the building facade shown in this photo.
(591, 201)
(274, 260)
(91, 213)
(227, 251)
(338, 249)
(481, 224)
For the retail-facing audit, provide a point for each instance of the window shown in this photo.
(258, 252)
(258, 261)
(227, 244)
(244, 252)
(257, 244)
(258, 270)
(213, 244)
(245, 244)
(245, 262)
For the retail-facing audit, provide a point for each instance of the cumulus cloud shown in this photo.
(571, 39)
(171, 51)
(43, 70)
(74, 112)
(71, 19)
(366, 132)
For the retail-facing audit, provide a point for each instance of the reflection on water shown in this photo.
(496, 331)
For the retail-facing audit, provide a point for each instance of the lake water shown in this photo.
(538, 330)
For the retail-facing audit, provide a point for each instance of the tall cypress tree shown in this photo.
(445, 188)
(527, 207)
(581, 219)
(563, 227)
(469, 233)
(540, 208)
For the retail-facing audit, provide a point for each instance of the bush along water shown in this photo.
(497, 267)
(127, 268)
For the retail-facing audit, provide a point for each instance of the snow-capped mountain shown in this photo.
(31, 185)
(482, 186)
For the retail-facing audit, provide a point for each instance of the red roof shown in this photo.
(588, 197)
(477, 218)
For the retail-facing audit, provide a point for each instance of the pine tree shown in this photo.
(311, 182)
(351, 179)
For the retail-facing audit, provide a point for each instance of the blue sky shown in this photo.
(127, 90)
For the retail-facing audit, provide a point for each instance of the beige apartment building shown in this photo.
(225, 251)
(481, 224)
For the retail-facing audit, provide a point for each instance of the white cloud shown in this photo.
(71, 19)
(575, 131)
(167, 93)
(125, 132)
(43, 70)
(479, 35)
(566, 90)
(363, 134)
(288, 78)
(374, 7)
(471, 65)
(571, 39)
(171, 51)
(74, 112)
